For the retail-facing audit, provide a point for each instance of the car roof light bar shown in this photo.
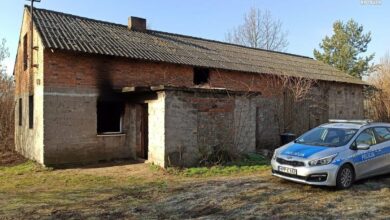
(365, 121)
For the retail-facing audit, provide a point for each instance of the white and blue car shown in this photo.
(335, 154)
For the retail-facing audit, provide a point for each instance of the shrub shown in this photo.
(7, 104)
(378, 102)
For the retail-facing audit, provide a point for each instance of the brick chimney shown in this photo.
(137, 24)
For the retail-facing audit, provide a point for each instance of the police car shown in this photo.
(335, 154)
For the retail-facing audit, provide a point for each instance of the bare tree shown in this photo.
(298, 86)
(378, 101)
(6, 103)
(4, 53)
(259, 30)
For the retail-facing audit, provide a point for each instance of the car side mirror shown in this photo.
(363, 146)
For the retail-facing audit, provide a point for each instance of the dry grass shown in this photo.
(141, 191)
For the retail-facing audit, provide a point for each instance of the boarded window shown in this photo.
(20, 112)
(25, 52)
(31, 111)
(201, 76)
(109, 117)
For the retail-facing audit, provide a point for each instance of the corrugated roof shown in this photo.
(73, 33)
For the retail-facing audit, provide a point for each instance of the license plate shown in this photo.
(288, 170)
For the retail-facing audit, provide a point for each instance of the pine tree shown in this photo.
(344, 49)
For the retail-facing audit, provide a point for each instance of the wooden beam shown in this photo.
(157, 88)
(135, 89)
(128, 89)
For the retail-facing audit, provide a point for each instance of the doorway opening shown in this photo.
(142, 151)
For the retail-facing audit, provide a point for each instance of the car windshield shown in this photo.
(329, 137)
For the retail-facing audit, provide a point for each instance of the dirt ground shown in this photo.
(141, 191)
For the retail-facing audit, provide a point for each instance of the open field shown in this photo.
(142, 191)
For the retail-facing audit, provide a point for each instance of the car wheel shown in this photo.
(345, 177)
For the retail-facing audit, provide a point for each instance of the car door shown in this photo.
(382, 153)
(364, 160)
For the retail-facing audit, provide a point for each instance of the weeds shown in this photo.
(249, 163)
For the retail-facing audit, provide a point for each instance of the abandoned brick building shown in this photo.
(89, 91)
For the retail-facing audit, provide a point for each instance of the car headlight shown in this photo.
(322, 161)
(274, 155)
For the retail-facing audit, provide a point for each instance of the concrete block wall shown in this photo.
(71, 130)
(181, 130)
(195, 122)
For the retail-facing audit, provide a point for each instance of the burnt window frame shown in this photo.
(25, 52)
(31, 111)
(120, 112)
(201, 76)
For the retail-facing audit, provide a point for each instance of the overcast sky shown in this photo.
(307, 21)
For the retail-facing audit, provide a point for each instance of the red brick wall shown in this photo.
(22, 76)
(75, 70)
(63, 69)
(242, 81)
